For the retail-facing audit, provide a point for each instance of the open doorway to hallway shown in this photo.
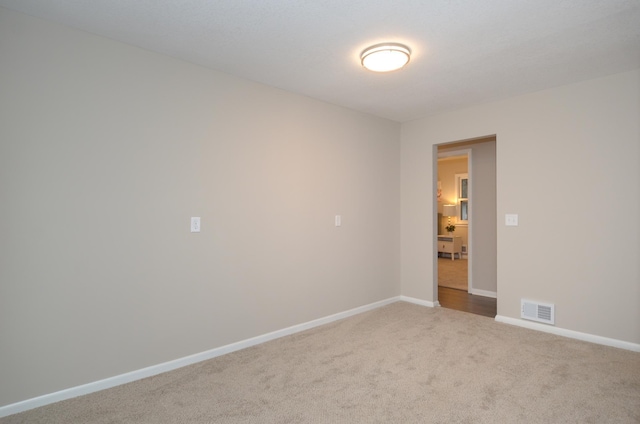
(466, 225)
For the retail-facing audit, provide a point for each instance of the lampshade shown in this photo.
(449, 210)
(385, 57)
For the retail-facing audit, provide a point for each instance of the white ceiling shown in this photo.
(465, 52)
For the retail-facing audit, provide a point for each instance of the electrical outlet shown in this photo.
(195, 224)
(511, 220)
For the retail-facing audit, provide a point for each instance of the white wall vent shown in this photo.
(536, 311)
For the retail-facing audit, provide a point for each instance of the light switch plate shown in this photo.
(511, 220)
(338, 220)
(195, 224)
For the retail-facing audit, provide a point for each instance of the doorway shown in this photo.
(453, 234)
(466, 225)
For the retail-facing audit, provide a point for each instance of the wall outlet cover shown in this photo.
(195, 224)
(511, 220)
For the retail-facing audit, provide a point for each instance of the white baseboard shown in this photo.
(570, 333)
(117, 380)
(419, 301)
(485, 293)
(209, 354)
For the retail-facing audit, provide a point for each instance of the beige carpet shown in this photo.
(399, 364)
(453, 274)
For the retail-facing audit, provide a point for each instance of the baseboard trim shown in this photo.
(419, 301)
(485, 293)
(118, 380)
(635, 347)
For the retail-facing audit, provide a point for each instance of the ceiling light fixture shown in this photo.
(385, 57)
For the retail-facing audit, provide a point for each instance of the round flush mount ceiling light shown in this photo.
(385, 57)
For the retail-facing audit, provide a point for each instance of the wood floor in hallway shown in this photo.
(463, 301)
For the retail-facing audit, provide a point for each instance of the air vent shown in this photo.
(536, 311)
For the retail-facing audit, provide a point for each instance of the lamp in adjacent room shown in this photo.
(449, 211)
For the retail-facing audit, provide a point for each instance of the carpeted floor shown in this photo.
(453, 274)
(402, 363)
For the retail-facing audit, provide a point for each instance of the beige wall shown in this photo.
(566, 157)
(483, 230)
(106, 151)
